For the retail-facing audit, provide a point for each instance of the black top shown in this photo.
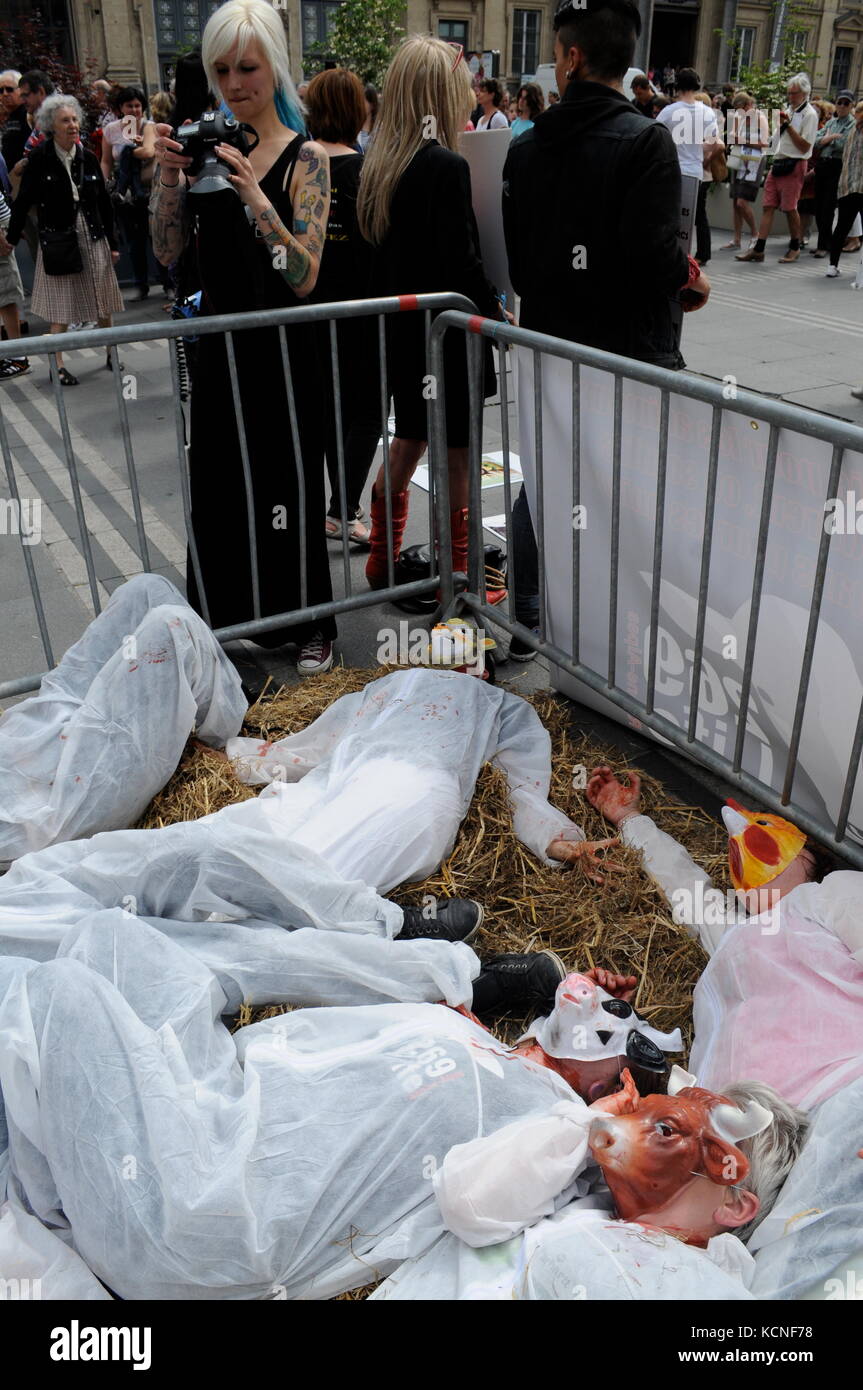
(235, 264)
(14, 136)
(433, 243)
(347, 256)
(45, 185)
(594, 174)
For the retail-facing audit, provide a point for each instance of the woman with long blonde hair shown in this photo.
(259, 243)
(415, 208)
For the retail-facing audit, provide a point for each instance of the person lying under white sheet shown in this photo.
(781, 999)
(109, 724)
(294, 1158)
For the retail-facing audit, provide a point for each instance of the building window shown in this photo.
(318, 17)
(841, 72)
(453, 31)
(525, 41)
(744, 47)
(797, 43)
(180, 23)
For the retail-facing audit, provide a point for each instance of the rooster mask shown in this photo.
(760, 846)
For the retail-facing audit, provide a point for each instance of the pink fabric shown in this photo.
(783, 1006)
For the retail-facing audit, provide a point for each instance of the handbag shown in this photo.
(718, 167)
(783, 166)
(61, 254)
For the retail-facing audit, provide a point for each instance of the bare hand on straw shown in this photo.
(586, 854)
(619, 986)
(606, 793)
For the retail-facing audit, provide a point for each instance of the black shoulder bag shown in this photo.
(61, 254)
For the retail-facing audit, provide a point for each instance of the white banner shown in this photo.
(798, 517)
(486, 152)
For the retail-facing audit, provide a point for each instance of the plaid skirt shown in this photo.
(93, 293)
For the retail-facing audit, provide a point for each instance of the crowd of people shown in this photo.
(347, 193)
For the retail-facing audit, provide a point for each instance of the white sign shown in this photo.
(486, 152)
(798, 519)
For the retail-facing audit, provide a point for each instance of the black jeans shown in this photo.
(848, 208)
(827, 173)
(702, 226)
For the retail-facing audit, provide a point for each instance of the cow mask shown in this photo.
(589, 1025)
(760, 846)
(650, 1155)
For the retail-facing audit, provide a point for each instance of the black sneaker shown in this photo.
(456, 919)
(520, 651)
(509, 983)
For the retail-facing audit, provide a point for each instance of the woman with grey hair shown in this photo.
(75, 278)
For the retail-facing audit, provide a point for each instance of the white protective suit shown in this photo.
(109, 724)
(521, 1228)
(292, 1159)
(781, 999)
(379, 784)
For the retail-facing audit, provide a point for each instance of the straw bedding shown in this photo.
(624, 925)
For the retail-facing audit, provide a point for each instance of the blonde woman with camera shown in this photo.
(259, 240)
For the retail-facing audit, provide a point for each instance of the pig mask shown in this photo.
(589, 1025)
(760, 846)
(651, 1155)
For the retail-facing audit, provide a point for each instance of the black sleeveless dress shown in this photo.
(237, 275)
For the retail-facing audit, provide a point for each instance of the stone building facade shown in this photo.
(137, 40)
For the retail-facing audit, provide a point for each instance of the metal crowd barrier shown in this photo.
(776, 415)
(229, 326)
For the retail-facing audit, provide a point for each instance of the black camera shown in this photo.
(199, 142)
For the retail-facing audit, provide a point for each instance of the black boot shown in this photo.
(456, 919)
(509, 983)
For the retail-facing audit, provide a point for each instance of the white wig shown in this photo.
(47, 113)
(773, 1152)
(242, 22)
(802, 81)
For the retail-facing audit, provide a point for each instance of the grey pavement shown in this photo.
(785, 330)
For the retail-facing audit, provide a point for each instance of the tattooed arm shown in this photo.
(169, 224)
(296, 254)
(168, 220)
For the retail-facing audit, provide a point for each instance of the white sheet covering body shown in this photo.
(811, 1244)
(109, 724)
(379, 784)
(295, 1158)
(781, 998)
(580, 1253)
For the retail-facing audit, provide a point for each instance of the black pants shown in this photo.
(702, 226)
(359, 407)
(827, 173)
(848, 208)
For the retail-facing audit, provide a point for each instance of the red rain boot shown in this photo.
(376, 565)
(458, 532)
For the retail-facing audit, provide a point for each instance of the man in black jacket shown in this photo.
(591, 213)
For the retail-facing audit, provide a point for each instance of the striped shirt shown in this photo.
(851, 178)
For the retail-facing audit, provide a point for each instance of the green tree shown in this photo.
(766, 84)
(362, 38)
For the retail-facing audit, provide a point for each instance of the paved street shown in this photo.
(785, 330)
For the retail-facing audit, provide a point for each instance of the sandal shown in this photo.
(357, 531)
(66, 378)
(730, 246)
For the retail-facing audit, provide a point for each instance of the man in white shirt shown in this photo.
(696, 134)
(798, 126)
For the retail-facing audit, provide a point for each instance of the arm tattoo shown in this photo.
(168, 221)
(294, 260)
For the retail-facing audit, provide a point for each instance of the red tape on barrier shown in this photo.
(408, 301)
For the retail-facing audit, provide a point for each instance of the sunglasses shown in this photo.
(459, 52)
(4, 91)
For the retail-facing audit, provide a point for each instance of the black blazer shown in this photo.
(45, 185)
